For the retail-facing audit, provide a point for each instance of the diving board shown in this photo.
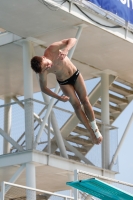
(100, 189)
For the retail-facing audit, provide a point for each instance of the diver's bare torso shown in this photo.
(63, 69)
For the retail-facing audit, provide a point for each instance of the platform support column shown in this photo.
(30, 181)
(28, 93)
(7, 124)
(105, 119)
(29, 119)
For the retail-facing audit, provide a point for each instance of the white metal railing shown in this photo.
(17, 134)
(17, 131)
(15, 191)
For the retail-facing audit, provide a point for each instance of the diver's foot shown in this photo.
(96, 137)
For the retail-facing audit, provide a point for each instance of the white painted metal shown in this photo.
(29, 128)
(55, 161)
(28, 82)
(22, 106)
(37, 190)
(48, 167)
(28, 93)
(46, 117)
(78, 34)
(96, 92)
(2, 193)
(58, 136)
(19, 102)
(10, 140)
(76, 192)
(16, 175)
(7, 124)
(77, 153)
(30, 180)
(7, 38)
(36, 117)
(49, 139)
(105, 119)
(54, 122)
(56, 129)
(121, 142)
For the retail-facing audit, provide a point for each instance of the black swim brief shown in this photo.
(70, 80)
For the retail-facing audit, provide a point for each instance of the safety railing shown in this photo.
(28, 115)
(16, 192)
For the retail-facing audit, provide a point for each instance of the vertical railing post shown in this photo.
(75, 179)
(7, 124)
(105, 119)
(2, 191)
(49, 141)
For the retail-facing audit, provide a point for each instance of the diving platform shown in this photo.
(52, 172)
(100, 189)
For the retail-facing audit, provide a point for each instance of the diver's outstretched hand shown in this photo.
(64, 98)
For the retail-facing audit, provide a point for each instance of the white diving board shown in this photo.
(100, 189)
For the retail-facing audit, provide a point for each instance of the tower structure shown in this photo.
(102, 51)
